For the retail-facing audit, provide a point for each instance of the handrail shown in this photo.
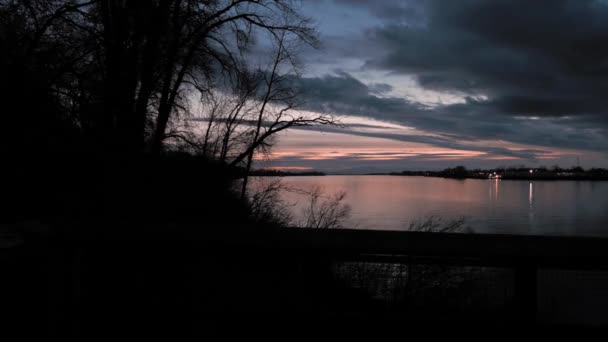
(522, 253)
(471, 249)
(525, 254)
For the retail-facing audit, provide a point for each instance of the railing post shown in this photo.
(526, 292)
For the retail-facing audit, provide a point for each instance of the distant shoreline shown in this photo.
(430, 176)
(278, 173)
(519, 173)
(565, 178)
(522, 173)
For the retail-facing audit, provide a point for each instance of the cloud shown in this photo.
(537, 58)
(528, 73)
(380, 88)
(453, 125)
(410, 12)
(443, 142)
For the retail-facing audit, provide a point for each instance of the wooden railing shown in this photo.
(524, 254)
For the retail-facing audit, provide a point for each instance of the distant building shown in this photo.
(494, 175)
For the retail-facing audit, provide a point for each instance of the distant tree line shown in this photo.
(280, 173)
(516, 172)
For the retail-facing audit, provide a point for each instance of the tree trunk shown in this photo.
(155, 29)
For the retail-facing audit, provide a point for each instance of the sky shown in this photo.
(430, 84)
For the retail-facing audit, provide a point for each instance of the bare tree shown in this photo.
(266, 203)
(243, 120)
(277, 104)
(322, 210)
(210, 143)
(325, 211)
(225, 116)
(436, 224)
(126, 69)
(213, 36)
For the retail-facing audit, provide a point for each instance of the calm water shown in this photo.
(489, 206)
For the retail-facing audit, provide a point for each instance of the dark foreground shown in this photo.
(88, 289)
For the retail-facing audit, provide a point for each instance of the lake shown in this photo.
(488, 206)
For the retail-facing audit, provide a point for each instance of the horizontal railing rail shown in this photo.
(522, 253)
(455, 248)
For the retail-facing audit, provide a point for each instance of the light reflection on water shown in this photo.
(490, 206)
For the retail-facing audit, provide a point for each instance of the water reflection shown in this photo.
(531, 208)
(490, 206)
(494, 186)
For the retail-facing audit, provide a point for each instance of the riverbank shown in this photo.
(521, 173)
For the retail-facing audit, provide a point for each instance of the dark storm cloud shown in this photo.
(343, 93)
(535, 72)
(380, 88)
(456, 124)
(541, 58)
(394, 10)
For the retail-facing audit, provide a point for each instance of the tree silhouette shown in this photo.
(123, 71)
(88, 85)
